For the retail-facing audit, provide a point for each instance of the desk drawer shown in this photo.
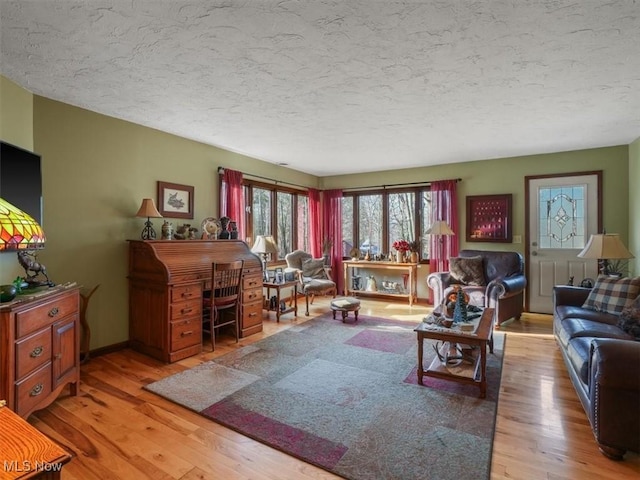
(186, 309)
(34, 319)
(186, 333)
(251, 281)
(251, 295)
(32, 352)
(255, 270)
(34, 388)
(252, 314)
(186, 292)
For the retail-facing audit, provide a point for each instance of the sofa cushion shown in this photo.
(612, 295)
(578, 351)
(467, 270)
(570, 311)
(579, 327)
(629, 320)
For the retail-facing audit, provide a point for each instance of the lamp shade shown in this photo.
(18, 230)
(440, 227)
(606, 246)
(148, 209)
(264, 244)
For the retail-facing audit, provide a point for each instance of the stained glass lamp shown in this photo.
(18, 230)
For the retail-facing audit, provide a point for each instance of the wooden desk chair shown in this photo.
(225, 295)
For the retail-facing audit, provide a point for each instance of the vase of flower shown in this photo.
(399, 256)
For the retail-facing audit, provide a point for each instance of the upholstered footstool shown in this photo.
(345, 305)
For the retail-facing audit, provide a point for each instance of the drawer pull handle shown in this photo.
(186, 310)
(36, 352)
(253, 314)
(187, 294)
(54, 311)
(37, 390)
(187, 333)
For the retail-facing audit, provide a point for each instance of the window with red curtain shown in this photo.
(331, 207)
(232, 203)
(315, 224)
(444, 206)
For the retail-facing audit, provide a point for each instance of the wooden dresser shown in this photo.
(167, 279)
(39, 348)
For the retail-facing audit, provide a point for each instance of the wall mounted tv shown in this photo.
(21, 179)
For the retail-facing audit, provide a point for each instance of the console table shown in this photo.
(167, 279)
(405, 274)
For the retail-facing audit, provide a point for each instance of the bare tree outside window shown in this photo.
(303, 222)
(402, 216)
(284, 219)
(348, 241)
(370, 223)
(261, 212)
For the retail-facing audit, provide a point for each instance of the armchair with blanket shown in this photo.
(313, 275)
(491, 279)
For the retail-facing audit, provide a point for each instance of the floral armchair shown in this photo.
(314, 276)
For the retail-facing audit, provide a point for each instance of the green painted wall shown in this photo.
(16, 128)
(506, 175)
(97, 169)
(634, 205)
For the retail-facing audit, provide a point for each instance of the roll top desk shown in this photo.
(167, 279)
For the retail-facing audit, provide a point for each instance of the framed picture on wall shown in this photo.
(174, 200)
(489, 218)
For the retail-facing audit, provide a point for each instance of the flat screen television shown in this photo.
(21, 179)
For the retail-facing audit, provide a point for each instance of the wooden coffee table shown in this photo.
(475, 343)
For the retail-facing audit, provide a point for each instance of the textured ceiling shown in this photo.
(333, 87)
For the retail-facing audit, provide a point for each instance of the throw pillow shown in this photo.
(313, 268)
(467, 270)
(612, 295)
(629, 320)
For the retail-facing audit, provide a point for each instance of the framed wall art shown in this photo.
(489, 218)
(174, 200)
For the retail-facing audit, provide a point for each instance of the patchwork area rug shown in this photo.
(345, 397)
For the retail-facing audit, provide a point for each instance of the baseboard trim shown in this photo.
(105, 350)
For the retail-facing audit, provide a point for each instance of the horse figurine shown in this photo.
(30, 264)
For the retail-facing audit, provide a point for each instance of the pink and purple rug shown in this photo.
(345, 397)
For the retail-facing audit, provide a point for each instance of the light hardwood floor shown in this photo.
(116, 430)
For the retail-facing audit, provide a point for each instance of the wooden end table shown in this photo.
(278, 287)
(474, 373)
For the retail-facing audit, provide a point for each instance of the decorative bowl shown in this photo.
(7, 293)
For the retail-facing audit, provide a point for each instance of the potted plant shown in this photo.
(401, 247)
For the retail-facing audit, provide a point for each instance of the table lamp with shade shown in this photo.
(148, 209)
(441, 229)
(20, 232)
(263, 246)
(605, 247)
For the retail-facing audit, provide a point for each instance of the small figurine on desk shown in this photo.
(29, 262)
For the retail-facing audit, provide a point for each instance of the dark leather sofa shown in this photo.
(604, 365)
(504, 287)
